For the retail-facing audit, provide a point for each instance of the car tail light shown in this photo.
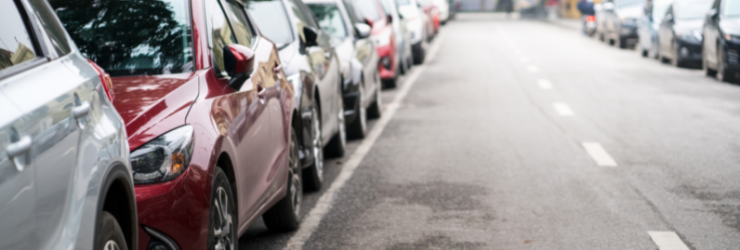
(590, 18)
(105, 79)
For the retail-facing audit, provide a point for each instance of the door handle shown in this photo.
(17, 149)
(261, 91)
(277, 69)
(81, 110)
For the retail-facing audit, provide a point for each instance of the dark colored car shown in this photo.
(616, 21)
(209, 115)
(312, 67)
(382, 33)
(359, 61)
(679, 36)
(722, 40)
(649, 23)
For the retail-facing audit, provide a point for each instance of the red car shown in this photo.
(383, 35)
(208, 112)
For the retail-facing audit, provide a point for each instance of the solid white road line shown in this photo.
(517, 52)
(667, 240)
(532, 69)
(544, 84)
(563, 109)
(326, 201)
(599, 154)
(524, 59)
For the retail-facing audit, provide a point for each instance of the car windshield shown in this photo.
(270, 16)
(628, 3)
(369, 9)
(659, 9)
(691, 9)
(403, 2)
(329, 19)
(131, 37)
(732, 8)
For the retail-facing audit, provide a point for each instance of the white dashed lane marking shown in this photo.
(667, 240)
(544, 84)
(532, 69)
(563, 109)
(599, 154)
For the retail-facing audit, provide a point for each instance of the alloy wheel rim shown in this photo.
(296, 187)
(318, 153)
(222, 228)
(363, 110)
(342, 129)
(111, 245)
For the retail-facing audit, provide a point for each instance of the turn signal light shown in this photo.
(590, 18)
(105, 79)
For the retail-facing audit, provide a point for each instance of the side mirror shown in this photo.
(369, 22)
(713, 13)
(668, 18)
(311, 35)
(238, 63)
(363, 30)
(608, 6)
(389, 18)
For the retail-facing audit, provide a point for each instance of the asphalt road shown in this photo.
(522, 134)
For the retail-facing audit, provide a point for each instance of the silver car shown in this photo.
(65, 177)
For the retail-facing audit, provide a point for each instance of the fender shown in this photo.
(119, 173)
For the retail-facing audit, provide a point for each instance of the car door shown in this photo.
(364, 53)
(54, 117)
(243, 109)
(665, 33)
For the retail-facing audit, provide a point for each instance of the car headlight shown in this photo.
(164, 158)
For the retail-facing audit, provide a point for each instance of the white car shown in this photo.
(416, 23)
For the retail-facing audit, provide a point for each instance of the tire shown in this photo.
(376, 108)
(645, 53)
(222, 219)
(337, 144)
(285, 215)
(402, 66)
(419, 53)
(358, 128)
(110, 236)
(315, 173)
(723, 74)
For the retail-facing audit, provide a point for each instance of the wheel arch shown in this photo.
(118, 183)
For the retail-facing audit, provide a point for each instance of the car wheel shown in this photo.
(337, 144)
(315, 173)
(376, 109)
(222, 222)
(285, 215)
(723, 74)
(645, 53)
(358, 128)
(110, 236)
(705, 67)
(419, 53)
(402, 66)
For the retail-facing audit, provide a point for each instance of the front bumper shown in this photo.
(731, 50)
(176, 209)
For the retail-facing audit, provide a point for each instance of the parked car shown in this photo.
(616, 21)
(454, 8)
(401, 33)
(418, 25)
(312, 67)
(443, 8)
(431, 10)
(359, 62)
(648, 26)
(384, 37)
(679, 36)
(65, 177)
(209, 113)
(721, 41)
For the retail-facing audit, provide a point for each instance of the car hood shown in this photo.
(730, 25)
(633, 11)
(145, 102)
(692, 24)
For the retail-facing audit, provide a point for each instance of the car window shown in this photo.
(691, 9)
(659, 9)
(369, 9)
(220, 34)
(386, 7)
(143, 38)
(731, 8)
(52, 27)
(351, 12)
(239, 23)
(270, 16)
(628, 3)
(403, 2)
(330, 19)
(300, 14)
(15, 42)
